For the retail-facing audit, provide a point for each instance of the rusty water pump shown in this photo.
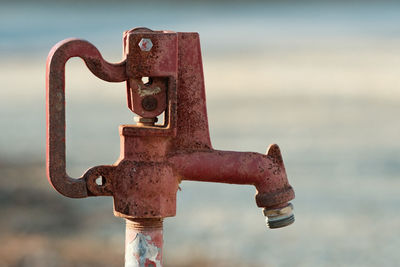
(155, 158)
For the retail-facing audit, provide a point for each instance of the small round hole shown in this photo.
(100, 180)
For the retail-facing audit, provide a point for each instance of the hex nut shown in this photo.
(145, 44)
(277, 212)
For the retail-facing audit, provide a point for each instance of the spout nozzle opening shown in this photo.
(279, 217)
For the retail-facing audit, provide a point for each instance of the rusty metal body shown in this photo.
(154, 158)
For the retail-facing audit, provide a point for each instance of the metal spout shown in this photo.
(266, 172)
(279, 217)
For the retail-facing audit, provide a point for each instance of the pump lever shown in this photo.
(55, 110)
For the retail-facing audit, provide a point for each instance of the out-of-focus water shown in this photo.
(322, 81)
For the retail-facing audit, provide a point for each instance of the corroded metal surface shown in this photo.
(55, 107)
(154, 158)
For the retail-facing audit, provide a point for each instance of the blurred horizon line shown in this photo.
(185, 3)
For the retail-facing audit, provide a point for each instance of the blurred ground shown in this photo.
(40, 228)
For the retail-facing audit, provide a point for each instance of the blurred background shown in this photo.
(321, 79)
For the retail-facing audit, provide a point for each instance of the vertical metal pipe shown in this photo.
(143, 242)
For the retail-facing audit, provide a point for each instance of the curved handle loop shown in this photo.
(55, 107)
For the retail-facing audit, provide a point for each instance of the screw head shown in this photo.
(145, 44)
(149, 103)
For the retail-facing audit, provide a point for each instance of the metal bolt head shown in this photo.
(145, 44)
(149, 103)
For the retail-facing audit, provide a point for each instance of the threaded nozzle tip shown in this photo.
(280, 217)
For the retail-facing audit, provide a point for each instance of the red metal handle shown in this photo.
(55, 115)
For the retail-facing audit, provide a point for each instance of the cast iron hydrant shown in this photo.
(155, 158)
